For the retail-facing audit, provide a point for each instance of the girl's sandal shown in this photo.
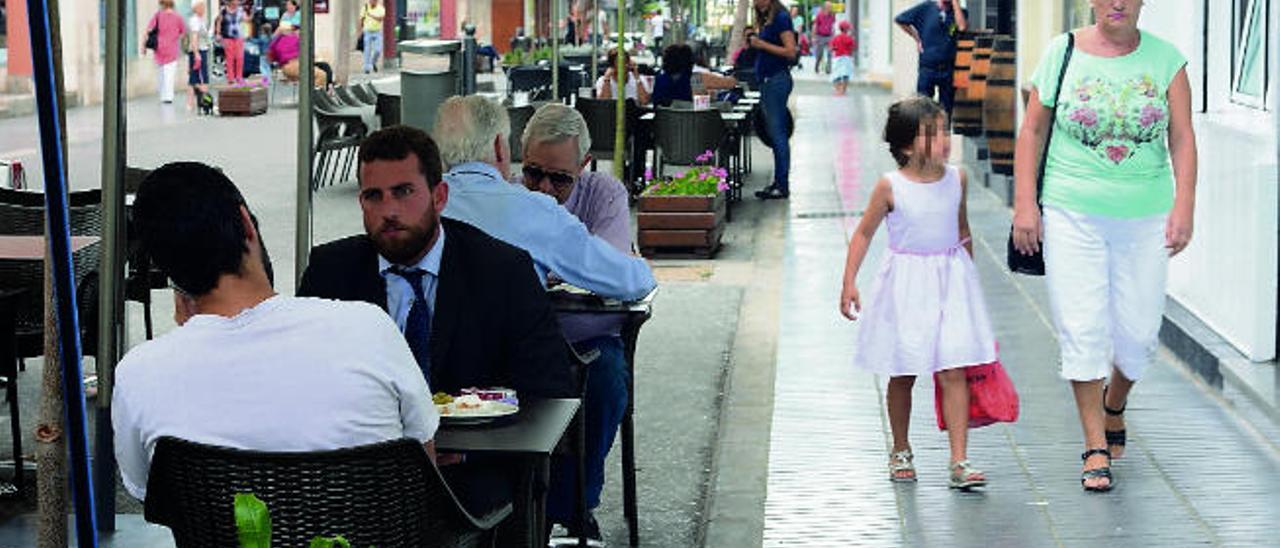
(1100, 472)
(901, 467)
(1115, 438)
(965, 476)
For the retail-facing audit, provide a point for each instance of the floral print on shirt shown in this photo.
(1114, 119)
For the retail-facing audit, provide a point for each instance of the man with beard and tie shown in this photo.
(471, 307)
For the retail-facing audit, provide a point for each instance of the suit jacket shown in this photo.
(492, 324)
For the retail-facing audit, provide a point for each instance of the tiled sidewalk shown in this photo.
(1193, 475)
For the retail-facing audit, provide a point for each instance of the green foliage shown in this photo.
(330, 542)
(253, 521)
(702, 180)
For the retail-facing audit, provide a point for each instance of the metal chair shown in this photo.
(8, 365)
(340, 130)
(141, 277)
(535, 80)
(601, 116)
(383, 494)
(519, 117)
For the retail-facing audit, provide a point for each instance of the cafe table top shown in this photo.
(726, 116)
(31, 248)
(535, 429)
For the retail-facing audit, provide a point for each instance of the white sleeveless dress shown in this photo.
(925, 311)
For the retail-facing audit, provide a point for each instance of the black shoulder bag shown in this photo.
(1033, 264)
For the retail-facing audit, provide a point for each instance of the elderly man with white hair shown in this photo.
(556, 144)
(472, 133)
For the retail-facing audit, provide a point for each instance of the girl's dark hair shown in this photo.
(903, 126)
(677, 59)
(613, 59)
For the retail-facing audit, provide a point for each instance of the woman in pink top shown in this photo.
(169, 30)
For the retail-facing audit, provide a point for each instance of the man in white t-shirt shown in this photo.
(248, 368)
(658, 23)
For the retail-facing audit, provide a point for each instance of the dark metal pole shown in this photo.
(111, 297)
(306, 83)
(59, 236)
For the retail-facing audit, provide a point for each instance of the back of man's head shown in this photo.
(188, 217)
(467, 127)
(396, 143)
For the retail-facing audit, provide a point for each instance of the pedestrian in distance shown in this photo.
(927, 270)
(230, 28)
(371, 16)
(842, 48)
(163, 34)
(933, 24)
(774, 40)
(1118, 198)
(823, 29)
(197, 47)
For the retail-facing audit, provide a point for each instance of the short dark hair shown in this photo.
(187, 215)
(903, 125)
(396, 142)
(677, 59)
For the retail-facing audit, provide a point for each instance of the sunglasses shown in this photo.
(535, 174)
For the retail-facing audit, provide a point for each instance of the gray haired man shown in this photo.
(472, 133)
(556, 144)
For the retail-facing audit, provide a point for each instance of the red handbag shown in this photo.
(992, 397)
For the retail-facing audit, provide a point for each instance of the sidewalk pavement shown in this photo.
(1194, 474)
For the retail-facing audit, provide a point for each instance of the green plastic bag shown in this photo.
(253, 521)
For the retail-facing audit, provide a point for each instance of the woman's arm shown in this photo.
(1026, 164)
(880, 204)
(786, 50)
(642, 91)
(962, 24)
(965, 235)
(711, 80)
(1182, 149)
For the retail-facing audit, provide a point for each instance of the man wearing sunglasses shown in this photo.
(473, 135)
(556, 144)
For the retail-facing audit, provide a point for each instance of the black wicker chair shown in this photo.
(519, 117)
(383, 494)
(9, 367)
(601, 117)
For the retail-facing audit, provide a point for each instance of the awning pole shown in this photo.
(306, 84)
(555, 50)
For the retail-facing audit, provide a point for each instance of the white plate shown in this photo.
(488, 410)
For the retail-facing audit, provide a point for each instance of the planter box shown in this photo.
(242, 101)
(680, 225)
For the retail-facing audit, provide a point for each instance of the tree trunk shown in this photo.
(739, 24)
(345, 15)
(51, 443)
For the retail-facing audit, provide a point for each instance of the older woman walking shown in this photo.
(1118, 201)
(168, 28)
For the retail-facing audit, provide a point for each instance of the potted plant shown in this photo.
(246, 99)
(685, 214)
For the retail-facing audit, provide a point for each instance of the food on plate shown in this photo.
(441, 398)
(469, 401)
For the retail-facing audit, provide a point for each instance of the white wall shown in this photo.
(878, 30)
(1227, 277)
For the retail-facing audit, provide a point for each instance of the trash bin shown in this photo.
(422, 92)
(408, 29)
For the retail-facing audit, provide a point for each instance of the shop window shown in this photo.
(1251, 47)
(131, 29)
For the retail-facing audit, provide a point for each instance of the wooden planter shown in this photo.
(680, 225)
(242, 101)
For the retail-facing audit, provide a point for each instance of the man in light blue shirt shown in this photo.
(472, 132)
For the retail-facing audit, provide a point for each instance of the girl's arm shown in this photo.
(965, 235)
(786, 50)
(1182, 147)
(880, 204)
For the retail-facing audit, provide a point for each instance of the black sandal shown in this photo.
(1114, 437)
(1102, 472)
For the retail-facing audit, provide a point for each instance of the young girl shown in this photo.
(925, 313)
(842, 47)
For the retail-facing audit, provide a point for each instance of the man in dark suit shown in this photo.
(471, 307)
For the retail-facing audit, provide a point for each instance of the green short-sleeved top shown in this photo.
(1108, 154)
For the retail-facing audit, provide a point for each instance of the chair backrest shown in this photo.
(683, 135)
(383, 494)
(601, 116)
(519, 117)
(22, 212)
(535, 80)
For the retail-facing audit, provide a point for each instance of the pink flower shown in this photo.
(648, 174)
(1117, 153)
(1150, 115)
(722, 186)
(1084, 116)
(721, 172)
(702, 176)
(706, 156)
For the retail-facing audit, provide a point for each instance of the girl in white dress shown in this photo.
(925, 313)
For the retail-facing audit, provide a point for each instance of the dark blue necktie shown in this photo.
(417, 326)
